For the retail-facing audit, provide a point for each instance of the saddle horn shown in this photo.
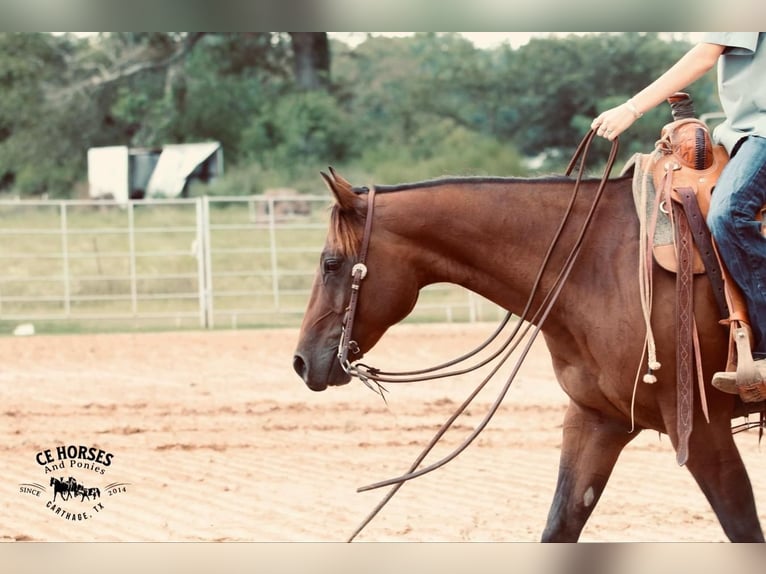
(682, 106)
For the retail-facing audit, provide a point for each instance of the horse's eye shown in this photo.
(331, 265)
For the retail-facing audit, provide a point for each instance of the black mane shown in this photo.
(465, 180)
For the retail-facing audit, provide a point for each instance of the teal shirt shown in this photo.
(741, 85)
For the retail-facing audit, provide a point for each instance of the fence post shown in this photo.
(65, 260)
(132, 258)
(473, 307)
(208, 263)
(273, 249)
(199, 253)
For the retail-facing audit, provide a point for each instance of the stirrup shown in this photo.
(749, 381)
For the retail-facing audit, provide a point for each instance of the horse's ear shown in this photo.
(338, 177)
(340, 188)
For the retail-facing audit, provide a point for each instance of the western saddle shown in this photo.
(672, 190)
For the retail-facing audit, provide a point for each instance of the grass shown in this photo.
(100, 277)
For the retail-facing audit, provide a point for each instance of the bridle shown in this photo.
(528, 321)
(370, 375)
(358, 273)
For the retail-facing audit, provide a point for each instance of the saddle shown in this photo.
(672, 188)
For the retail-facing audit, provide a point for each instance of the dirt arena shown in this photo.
(213, 437)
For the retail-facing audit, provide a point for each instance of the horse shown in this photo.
(61, 486)
(84, 492)
(489, 235)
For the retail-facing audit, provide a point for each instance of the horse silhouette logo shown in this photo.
(71, 488)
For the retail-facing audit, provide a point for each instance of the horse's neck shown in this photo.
(488, 237)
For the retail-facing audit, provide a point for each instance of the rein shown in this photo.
(527, 322)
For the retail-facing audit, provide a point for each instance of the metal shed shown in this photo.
(122, 173)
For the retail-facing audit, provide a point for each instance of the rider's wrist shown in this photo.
(631, 105)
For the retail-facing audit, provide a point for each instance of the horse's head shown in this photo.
(387, 294)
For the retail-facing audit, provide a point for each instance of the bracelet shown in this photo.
(633, 109)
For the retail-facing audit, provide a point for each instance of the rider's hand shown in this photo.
(614, 121)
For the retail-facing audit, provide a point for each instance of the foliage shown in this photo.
(29, 121)
(305, 126)
(441, 149)
(395, 109)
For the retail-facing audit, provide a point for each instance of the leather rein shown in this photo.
(368, 375)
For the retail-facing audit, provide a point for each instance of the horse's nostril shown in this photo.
(300, 366)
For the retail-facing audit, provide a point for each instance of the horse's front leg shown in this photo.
(590, 448)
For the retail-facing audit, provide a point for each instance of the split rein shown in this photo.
(528, 321)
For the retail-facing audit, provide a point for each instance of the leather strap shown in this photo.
(684, 333)
(704, 241)
(701, 234)
(358, 272)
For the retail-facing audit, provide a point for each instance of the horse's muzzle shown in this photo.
(333, 376)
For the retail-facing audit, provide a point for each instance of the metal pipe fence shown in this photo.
(207, 262)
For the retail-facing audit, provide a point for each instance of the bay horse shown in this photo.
(490, 235)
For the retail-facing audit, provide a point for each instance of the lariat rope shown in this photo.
(509, 346)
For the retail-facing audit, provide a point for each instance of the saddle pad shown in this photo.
(644, 198)
(644, 195)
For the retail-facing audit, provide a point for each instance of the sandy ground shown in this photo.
(213, 437)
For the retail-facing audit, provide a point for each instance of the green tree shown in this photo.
(43, 136)
(419, 106)
(140, 89)
(562, 83)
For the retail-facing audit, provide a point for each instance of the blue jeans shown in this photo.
(737, 198)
